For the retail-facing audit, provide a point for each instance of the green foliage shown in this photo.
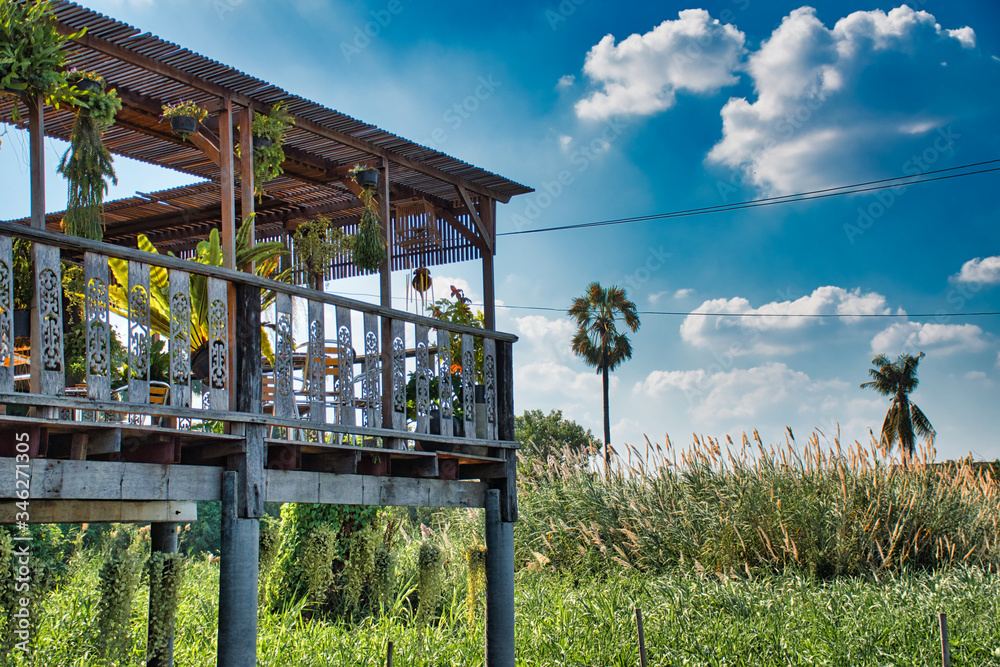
(897, 379)
(542, 436)
(186, 108)
(87, 166)
(24, 274)
(165, 572)
(459, 311)
(118, 579)
(317, 243)
(824, 511)
(316, 563)
(431, 582)
(369, 244)
(475, 559)
(360, 565)
(31, 51)
(267, 160)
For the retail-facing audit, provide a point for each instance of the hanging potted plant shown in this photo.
(184, 118)
(87, 164)
(31, 51)
(369, 243)
(85, 82)
(317, 244)
(268, 138)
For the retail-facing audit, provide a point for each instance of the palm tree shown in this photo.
(598, 341)
(897, 379)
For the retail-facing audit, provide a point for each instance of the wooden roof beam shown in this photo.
(484, 233)
(163, 69)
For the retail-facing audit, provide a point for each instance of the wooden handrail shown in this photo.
(83, 245)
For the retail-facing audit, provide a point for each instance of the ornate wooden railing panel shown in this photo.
(328, 373)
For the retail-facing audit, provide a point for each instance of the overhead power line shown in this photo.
(867, 186)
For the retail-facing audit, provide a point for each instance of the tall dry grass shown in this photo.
(825, 509)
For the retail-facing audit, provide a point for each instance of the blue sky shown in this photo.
(610, 114)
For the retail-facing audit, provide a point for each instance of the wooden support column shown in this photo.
(36, 147)
(247, 183)
(227, 184)
(238, 576)
(488, 215)
(248, 389)
(507, 485)
(385, 300)
(163, 539)
(499, 585)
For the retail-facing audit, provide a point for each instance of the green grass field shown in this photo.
(786, 557)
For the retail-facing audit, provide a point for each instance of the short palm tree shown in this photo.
(598, 340)
(897, 379)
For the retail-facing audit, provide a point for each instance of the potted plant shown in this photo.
(87, 164)
(317, 243)
(369, 243)
(32, 59)
(268, 138)
(85, 82)
(184, 117)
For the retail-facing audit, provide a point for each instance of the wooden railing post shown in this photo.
(505, 429)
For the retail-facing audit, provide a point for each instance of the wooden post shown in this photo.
(238, 573)
(227, 185)
(945, 646)
(163, 539)
(247, 183)
(385, 300)
(388, 655)
(36, 147)
(507, 485)
(488, 216)
(642, 637)
(499, 585)
(248, 390)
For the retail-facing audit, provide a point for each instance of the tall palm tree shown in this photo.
(897, 379)
(598, 340)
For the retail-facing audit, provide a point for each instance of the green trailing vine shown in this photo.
(317, 243)
(360, 565)
(87, 164)
(383, 582)
(268, 155)
(431, 581)
(165, 573)
(316, 563)
(118, 579)
(369, 243)
(475, 559)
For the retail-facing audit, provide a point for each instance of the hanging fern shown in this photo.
(88, 167)
(165, 574)
(369, 244)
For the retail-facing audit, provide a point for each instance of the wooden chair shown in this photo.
(159, 394)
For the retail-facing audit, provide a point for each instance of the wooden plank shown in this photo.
(469, 386)
(423, 372)
(98, 326)
(505, 430)
(345, 369)
(445, 388)
(207, 146)
(6, 314)
(180, 338)
(284, 351)
(371, 390)
(490, 380)
(292, 486)
(102, 511)
(218, 343)
(82, 245)
(316, 363)
(47, 372)
(138, 332)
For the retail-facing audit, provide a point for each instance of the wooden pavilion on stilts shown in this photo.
(92, 458)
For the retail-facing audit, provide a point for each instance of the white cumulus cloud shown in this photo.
(914, 337)
(826, 98)
(643, 73)
(771, 328)
(979, 270)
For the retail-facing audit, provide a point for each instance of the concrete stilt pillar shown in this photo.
(238, 573)
(499, 585)
(163, 539)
